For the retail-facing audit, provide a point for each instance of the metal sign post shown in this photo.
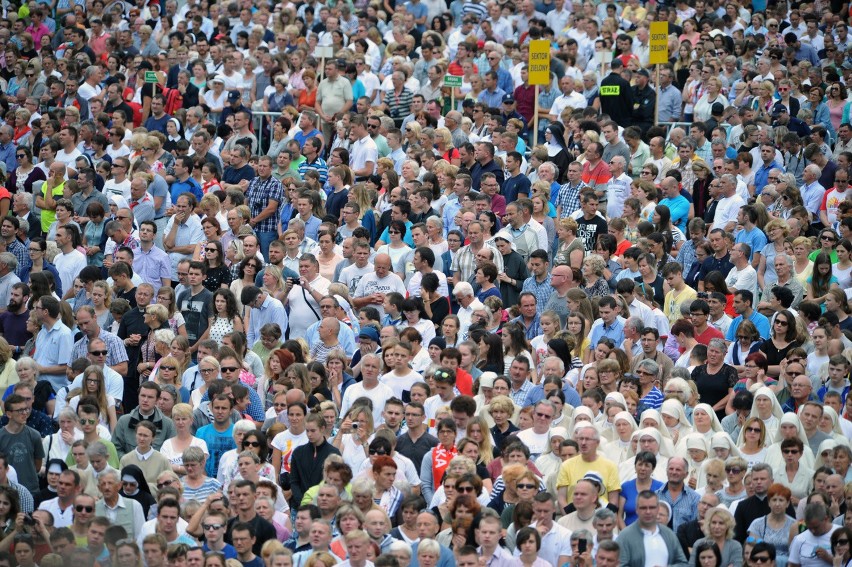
(538, 68)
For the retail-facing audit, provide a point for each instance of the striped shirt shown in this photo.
(319, 165)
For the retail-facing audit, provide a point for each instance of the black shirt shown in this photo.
(263, 531)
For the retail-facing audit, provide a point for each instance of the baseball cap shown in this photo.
(778, 109)
(508, 99)
(370, 333)
(233, 96)
(643, 72)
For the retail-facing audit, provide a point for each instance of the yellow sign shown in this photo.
(539, 63)
(659, 43)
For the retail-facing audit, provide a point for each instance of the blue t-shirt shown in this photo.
(218, 443)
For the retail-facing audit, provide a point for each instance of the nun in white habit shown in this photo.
(648, 439)
(618, 448)
(790, 426)
(767, 408)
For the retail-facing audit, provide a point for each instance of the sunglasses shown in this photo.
(376, 453)
(228, 369)
(207, 527)
(164, 367)
(471, 490)
(251, 444)
(81, 508)
(165, 483)
(733, 470)
(526, 486)
(20, 156)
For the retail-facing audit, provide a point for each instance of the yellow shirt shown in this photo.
(576, 468)
(674, 300)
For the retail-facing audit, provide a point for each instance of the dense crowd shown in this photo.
(272, 295)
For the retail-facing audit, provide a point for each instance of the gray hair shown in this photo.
(96, 449)
(400, 547)
(68, 413)
(108, 471)
(602, 514)
(814, 169)
(27, 362)
(649, 365)
(363, 485)
(244, 426)
(684, 391)
(758, 467)
(9, 259)
(577, 535)
(718, 344)
(27, 197)
(635, 323)
(787, 258)
(429, 546)
(559, 360)
(193, 455)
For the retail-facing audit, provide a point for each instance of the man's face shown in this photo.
(319, 535)
(242, 541)
(154, 556)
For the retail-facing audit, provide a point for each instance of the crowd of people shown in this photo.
(272, 295)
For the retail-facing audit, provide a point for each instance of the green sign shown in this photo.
(150, 77)
(452, 81)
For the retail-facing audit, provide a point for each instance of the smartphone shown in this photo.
(581, 545)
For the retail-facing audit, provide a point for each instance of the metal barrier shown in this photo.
(257, 118)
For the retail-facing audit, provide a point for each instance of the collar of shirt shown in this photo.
(146, 456)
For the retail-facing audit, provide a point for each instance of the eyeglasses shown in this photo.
(393, 232)
(251, 443)
(526, 486)
(773, 178)
(207, 370)
(212, 526)
(229, 369)
(543, 415)
(122, 217)
(165, 483)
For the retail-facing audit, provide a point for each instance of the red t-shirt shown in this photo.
(709, 333)
(597, 175)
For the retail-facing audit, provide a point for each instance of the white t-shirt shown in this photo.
(352, 274)
(727, 210)
(803, 547)
(371, 283)
(69, 265)
(536, 442)
(378, 395)
(87, 91)
(69, 159)
(111, 187)
(286, 442)
(745, 279)
(401, 385)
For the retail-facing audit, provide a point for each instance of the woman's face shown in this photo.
(643, 470)
(707, 558)
(701, 419)
(590, 380)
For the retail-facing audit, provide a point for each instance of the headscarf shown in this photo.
(827, 445)
(179, 128)
(666, 443)
(836, 431)
(673, 408)
(722, 439)
(617, 450)
(557, 139)
(775, 459)
(715, 425)
(578, 411)
(695, 468)
(770, 424)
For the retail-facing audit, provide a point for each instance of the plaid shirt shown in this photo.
(21, 254)
(259, 193)
(542, 291)
(686, 257)
(569, 198)
(464, 264)
(520, 396)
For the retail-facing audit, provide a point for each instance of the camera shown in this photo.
(355, 426)
(29, 520)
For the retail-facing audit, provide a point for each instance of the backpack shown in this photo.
(173, 99)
